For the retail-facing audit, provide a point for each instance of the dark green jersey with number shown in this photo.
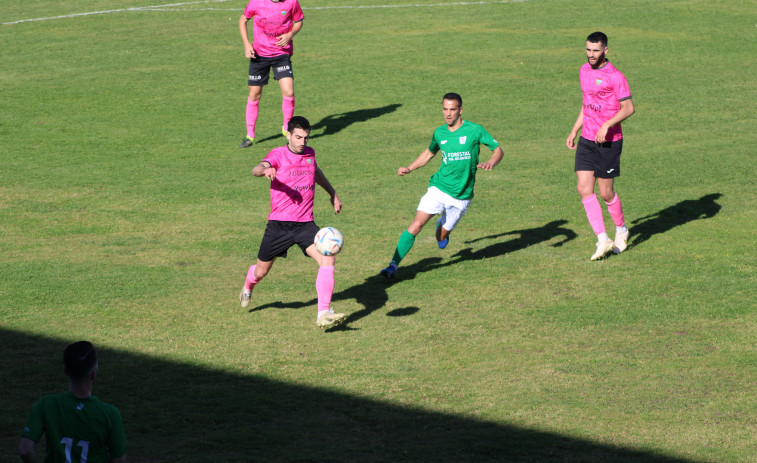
(457, 174)
(77, 430)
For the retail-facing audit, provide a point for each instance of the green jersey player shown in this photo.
(78, 428)
(450, 189)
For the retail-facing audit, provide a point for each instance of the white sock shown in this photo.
(621, 229)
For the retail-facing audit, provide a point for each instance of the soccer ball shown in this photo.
(329, 241)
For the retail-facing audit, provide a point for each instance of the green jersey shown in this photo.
(457, 174)
(77, 430)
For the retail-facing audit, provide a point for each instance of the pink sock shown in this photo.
(594, 214)
(287, 108)
(324, 286)
(252, 117)
(616, 211)
(251, 281)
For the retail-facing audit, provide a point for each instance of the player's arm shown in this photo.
(625, 111)
(571, 141)
(264, 169)
(497, 155)
(324, 183)
(284, 39)
(423, 159)
(249, 51)
(26, 450)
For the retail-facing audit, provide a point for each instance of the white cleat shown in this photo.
(244, 298)
(330, 319)
(621, 242)
(603, 248)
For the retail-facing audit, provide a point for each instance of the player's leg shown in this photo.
(610, 168)
(277, 239)
(324, 282)
(282, 72)
(586, 167)
(405, 243)
(454, 209)
(256, 273)
(257, 78)
(287, 101)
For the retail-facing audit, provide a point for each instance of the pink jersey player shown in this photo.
(606, 103)
(294, 174)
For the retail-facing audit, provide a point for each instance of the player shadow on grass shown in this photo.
(338, 122)
(371, 294)
(673, 216)
(526, 237)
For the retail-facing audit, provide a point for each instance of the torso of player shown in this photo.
(602, 91)
(459, 149)
(293, 189)
(270, 20)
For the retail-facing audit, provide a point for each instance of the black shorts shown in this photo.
(261, 65)
(601, 158)
(280, 236)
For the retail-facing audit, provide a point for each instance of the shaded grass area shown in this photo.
(205, 414)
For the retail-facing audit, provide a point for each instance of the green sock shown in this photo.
(403, 246)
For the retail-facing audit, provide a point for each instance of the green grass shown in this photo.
(128, 217)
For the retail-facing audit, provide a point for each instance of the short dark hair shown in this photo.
(454, 96)
(595, 37)
(80, 358)
(298, 122)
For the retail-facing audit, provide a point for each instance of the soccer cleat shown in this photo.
(244, 298)
(621, 242)
(603, 248)
(389, 272)
(284, 132)
(443, 243)
(329, 319)
(247, 142)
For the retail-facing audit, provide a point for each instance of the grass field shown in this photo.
(128, 217)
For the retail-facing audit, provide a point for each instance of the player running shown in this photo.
(450, 189)
(293, 173)
(275, 24)
(606, 103)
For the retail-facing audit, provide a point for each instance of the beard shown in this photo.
(600, 61)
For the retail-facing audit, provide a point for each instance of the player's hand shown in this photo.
(601, 135)
(270, 173)
(284, 39)
(249, 52)
(403, 171)
(486, 166)
(337, 203)
(571, 141)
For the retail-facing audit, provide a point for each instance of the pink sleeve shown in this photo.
(272, 159)
(621, 88)
(297, 14)
(249, 11)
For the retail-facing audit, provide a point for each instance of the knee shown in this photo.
(607, 196)
(585, 190)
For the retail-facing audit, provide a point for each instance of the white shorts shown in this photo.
(435, 201)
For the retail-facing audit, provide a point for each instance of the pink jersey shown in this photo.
(293, 189)
(603, 90)
(270, 21)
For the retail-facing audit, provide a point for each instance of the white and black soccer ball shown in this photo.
(329, 241)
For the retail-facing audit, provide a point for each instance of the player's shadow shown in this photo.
(335, 123)
(522, 239)
(371, 293)
(678, 214)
